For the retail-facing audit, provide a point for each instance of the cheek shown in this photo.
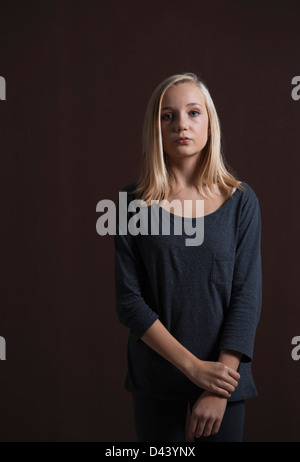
(201, 128)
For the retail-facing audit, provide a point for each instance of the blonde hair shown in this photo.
(155, 176)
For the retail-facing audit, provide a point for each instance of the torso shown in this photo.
(180, 208)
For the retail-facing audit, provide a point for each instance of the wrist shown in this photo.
(230, 358)
(191, 367)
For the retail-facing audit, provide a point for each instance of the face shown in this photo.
(184, 120)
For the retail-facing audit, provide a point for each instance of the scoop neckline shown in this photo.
(203, 216)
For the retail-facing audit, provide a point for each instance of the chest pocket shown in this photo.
(221, 272)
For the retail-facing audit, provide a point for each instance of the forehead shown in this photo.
(183, 93)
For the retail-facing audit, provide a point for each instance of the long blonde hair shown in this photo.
(155, 176)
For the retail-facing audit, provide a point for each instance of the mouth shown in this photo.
(183, 140)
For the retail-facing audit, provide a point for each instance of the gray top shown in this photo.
(208, 296)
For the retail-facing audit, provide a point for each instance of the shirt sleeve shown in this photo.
(130, 276)
(246, 295)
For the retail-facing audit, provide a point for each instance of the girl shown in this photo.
(192, 310)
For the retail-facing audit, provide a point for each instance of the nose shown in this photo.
(181, 123)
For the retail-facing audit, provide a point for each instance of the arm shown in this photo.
(129, 273)
(246, 294)
(217, 377)
(237, 341)
(230, 358)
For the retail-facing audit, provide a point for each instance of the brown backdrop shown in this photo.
(78, 76)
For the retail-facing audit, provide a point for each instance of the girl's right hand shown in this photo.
(215, 377)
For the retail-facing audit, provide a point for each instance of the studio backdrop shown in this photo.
(76, 77)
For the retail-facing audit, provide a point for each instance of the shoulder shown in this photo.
(126, 196)
(248, 204)
(248, 195)
(129, 188)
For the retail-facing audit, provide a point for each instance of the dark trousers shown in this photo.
(159, 420)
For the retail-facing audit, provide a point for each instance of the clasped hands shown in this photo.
(219, 382)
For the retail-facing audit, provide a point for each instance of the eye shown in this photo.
(167, 116)
(195, 113)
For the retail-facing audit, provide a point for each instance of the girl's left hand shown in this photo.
(207, 415)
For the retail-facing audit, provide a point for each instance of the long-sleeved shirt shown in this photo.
(208, 296)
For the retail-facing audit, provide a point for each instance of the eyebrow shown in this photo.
(190, 104)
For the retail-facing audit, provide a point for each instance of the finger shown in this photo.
(222, 388)
(226, 386)
(208, 427)
(234, 374)
(200, 428)
(220, 391)
(226, 377)
(227, 383)
(232, 382)
(192, 427)
(216, 427)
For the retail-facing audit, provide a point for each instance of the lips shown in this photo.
(183, 140)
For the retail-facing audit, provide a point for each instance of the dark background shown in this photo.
(79, 75)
